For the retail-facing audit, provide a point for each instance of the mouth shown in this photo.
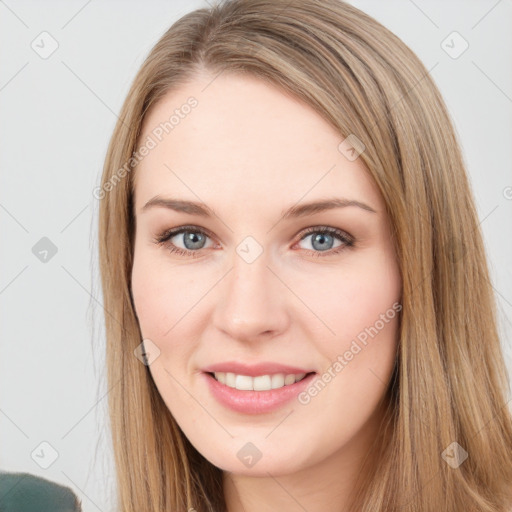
(258, 394)
(266, 382)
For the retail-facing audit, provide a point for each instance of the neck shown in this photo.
(328, 485)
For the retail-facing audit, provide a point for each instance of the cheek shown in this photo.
(361, 306)
(164, 297)
(355, 296)
(156, 295)
(159, 305)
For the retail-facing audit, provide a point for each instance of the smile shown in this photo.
(259, 383)
(256, 395)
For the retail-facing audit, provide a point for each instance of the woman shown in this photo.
(298, 307)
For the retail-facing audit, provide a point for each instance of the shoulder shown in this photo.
(23, 492)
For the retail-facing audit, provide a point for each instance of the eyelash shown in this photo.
(164, 237)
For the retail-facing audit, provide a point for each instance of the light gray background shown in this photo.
(57, 117)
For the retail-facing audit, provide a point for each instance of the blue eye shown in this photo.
(194, 239)
(323, 238)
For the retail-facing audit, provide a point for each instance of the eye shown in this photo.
(323, 239)
(194, 239)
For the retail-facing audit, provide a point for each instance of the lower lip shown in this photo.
(255, 402)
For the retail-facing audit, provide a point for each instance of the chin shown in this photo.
(251, 459)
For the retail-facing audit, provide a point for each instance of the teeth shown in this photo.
(260, 383)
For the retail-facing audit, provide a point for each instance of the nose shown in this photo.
(251, 301)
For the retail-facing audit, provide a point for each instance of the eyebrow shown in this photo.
(301, 210)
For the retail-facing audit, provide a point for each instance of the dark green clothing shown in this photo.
(23, 492)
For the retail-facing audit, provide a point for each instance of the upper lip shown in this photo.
(254, 370)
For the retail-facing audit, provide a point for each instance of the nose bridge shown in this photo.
(251, 302)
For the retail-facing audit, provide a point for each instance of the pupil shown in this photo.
(193, 238)
(322, 237)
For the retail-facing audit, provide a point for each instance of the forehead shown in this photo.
(243, 138)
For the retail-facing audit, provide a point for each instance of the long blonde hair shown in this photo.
(450, 382)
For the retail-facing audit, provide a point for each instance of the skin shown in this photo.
(249, 151)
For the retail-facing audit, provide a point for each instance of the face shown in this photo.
(260, 279)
